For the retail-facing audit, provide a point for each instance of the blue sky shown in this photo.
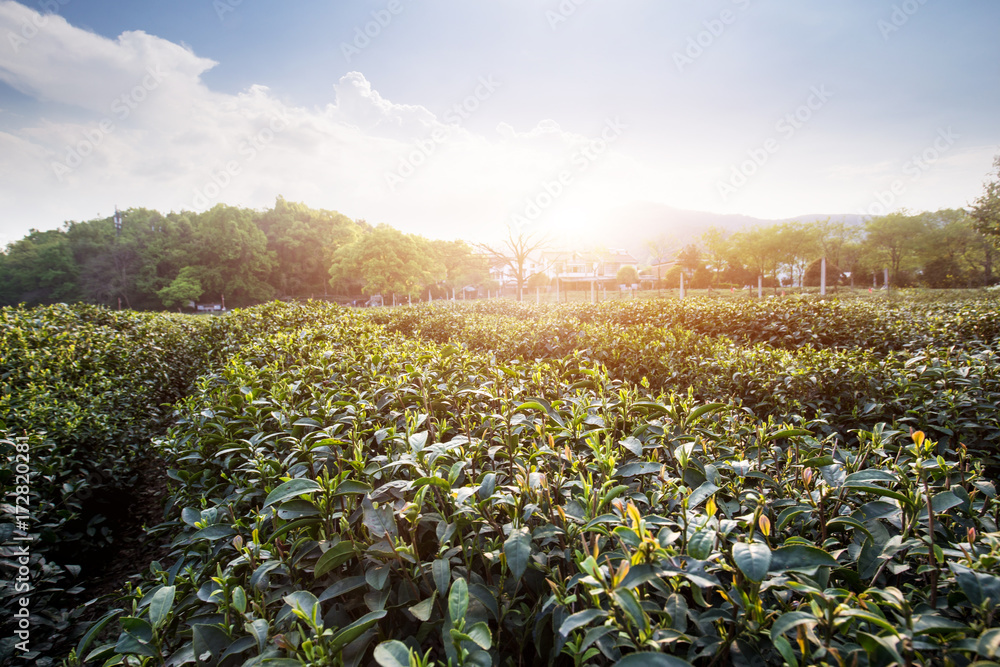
(567, 109)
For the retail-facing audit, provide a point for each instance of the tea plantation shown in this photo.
(787, 482)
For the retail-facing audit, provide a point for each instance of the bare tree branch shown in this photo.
(515, 252)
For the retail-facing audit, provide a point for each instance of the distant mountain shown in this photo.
(630, 227)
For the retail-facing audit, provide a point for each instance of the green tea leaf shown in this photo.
(580, 619)
(480, 634)
(423, 610)
(291, 489)
(458, 600)
(701, 543)
(392, 653)
(790, 620)
(334, 557)
(160, 605)
(800, 558)
(355, 630)
(753, 560)
(442, 575)
(517, 549)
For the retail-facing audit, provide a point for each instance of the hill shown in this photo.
(631, 226)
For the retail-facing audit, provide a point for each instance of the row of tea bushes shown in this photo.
(86, 388)
(952, 389)
(345, 495)
(878, 325)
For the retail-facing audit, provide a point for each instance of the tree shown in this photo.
(953, 252)
(514, 254)
(895, 239)
(751, 249)
(232, 255)
(111, 274)
(717, 249)
(702, 278)
(777, 256)
(690, 258)
(387, 261)
(627, 275)
(833, 240)
(855, 259)
(812, 277)
(832, 237)
(538, 280)
(761, 250)
(38, 269)
(185, 287)
(303, 241)
(797, 245)
(673, 275)
(986, 212)
(463, 267)
(661, 248)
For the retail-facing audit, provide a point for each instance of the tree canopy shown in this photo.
(946, 248)
(243, 256)
(387, 261)
(158, 260)
(986, 211)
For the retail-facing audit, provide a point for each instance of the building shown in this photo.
(571, 267)
(208, 307)
(659, 269)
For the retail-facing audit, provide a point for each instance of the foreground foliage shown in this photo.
(344, 493)
(85, 388)
(927, 365)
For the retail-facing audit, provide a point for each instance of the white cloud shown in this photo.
(130, 122)
(45, 57)
(146, 131)
(362, 107)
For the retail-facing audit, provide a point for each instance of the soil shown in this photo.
(129, 513)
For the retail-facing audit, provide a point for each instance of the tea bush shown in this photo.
(851, 364)
(344, 494)
(84, 388)
(878, 325)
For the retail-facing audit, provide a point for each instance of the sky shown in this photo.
(458, 119)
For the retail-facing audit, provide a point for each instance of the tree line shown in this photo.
(944, 249)
(243, 256)
(237, 255)
(940, 249)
